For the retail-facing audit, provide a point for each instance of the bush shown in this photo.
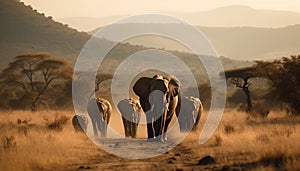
(57, 124)
(218, 140)
(263, 138)
(277, 160)
(260, 111)
(229, 129)
(8, 142)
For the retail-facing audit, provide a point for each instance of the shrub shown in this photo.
(57, 124)
(8, 142)
(23, 125)
(25, 121)
(229, 129)
(260, 111)
(23, 129)
(218, 140)
(277, 160)
(263, 138)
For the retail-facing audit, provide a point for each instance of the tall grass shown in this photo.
(28, 143)
(40, 147)
(259, 143)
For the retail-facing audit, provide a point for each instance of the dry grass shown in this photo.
(58, 123)
(256, 144)
(270, 143)
(40, 148)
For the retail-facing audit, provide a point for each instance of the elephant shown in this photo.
(79, 123)
(160, 99)
(190, 114)
(99, 111)
(130, 110)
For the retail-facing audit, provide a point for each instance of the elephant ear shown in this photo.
(142, 87)
(174, 86)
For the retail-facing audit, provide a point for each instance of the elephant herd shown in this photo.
(159, 99)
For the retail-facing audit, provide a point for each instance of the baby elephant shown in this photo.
(99, 110)
(191, 111)
(79, 123)
(130, 110)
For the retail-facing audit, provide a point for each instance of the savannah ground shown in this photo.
(32, 141)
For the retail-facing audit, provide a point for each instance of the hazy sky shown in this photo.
(103, 8)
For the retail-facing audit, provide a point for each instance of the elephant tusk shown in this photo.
(194, 117)
(167, 106)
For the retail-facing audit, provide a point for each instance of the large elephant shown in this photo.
(190, 114)
(160, 99)
(79, 123)
(99, 110)
(130, 110)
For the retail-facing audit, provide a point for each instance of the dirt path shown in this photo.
(182, 157)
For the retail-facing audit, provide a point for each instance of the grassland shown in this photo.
(28, 142)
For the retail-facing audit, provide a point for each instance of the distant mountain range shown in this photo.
(229, 16)
(24, 30)
(247, 43)
(240, 43)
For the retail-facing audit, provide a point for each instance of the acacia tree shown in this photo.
(241, 79)
(34, 74)
(284, 75)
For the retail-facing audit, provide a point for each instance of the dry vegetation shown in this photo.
(40, 140)
(47, 141)
(256, 143)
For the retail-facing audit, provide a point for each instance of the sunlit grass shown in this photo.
(40, 147)
(262, 143)
(27, 143)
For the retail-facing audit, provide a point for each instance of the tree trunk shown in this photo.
(249, 102)
(34, 102)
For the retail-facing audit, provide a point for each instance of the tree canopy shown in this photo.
(283, 74)
(240, 78)
(30, 76)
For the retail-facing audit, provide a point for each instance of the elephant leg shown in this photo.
(102, 127)
(131, 128)
(128, 127)
(135, 123)
(104, 132)
(181, 121)
(134, 130)
(166, 128)
(189, 121)
(95, 128)
(158, 126)
(125, 123)
(150, 130)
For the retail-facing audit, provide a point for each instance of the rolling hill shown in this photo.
(228, 16)
(239, 16)
(248, 43)
(240, 43)
(24, 30)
